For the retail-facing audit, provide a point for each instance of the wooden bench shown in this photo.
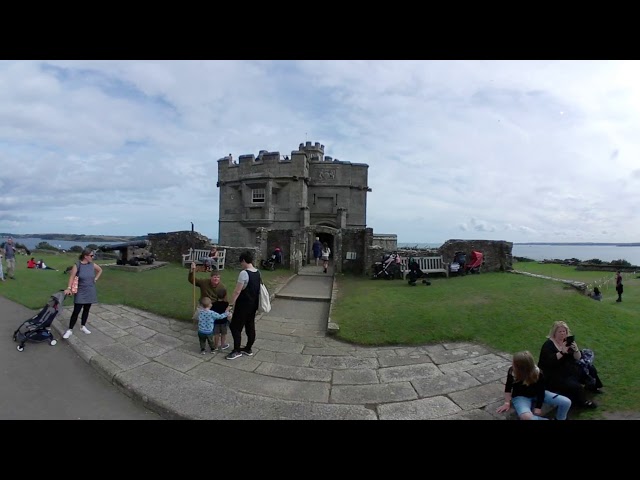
(426, 264)
(198, 256)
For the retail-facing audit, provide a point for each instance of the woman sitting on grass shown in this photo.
(596, 294)
(525, 388)
(559, 362)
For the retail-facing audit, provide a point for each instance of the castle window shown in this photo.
(257, 195)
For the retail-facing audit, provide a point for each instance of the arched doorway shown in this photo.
(331, 236)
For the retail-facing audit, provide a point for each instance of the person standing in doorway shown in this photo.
(619, 286)
(10, 256)
(88, 274)
(244, 303)
(317, 249)
(326, 251)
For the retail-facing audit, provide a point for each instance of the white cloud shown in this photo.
(508, 150)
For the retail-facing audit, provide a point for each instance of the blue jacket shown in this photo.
(206, 320)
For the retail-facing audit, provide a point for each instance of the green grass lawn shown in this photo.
(163, 290)
(505, 311)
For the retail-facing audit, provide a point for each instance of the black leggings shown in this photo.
(76, 310)
(240, 320)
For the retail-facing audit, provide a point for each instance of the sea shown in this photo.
(606, 253)
(31, 242)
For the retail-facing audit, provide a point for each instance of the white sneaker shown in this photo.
(85, 329)
(67, 334)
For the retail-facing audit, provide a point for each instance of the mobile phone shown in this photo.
(569, 340)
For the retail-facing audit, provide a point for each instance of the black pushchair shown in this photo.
(38, 327)
(415, 273)
(389, 268)
(271, 262)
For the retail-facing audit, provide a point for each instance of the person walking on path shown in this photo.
(10, 256)
(619, 286)
(212, 287)
(244, 303)
(317, 249)
(326, 251)
(88, 274)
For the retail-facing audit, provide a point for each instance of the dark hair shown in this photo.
(247, 256)
(86, 251)
(324, 244)
(596, 290)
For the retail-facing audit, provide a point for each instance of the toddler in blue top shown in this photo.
(206, 321)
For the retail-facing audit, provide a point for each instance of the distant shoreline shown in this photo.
(584, 244)
(75, 238)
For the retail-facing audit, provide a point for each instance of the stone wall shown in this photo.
(170, 246)
(497, 253)
(353, 241)
(232, 261)
(281, 239)
(388, 241)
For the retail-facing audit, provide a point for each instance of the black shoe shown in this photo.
(233, 355)
(246, 352)
(589, 404)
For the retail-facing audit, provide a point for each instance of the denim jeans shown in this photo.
(525, 404)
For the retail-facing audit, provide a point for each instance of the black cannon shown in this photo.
(132, 253)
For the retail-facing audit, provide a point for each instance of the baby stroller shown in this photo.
(475, 262)
(38, 327)
(415, 273)
(271, 262)
(388, 268)
(459, 261)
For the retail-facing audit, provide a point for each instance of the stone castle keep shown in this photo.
(284, 201)
(289, 193)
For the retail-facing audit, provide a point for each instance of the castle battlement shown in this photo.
(282, 192)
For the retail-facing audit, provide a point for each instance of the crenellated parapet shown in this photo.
(314, 152)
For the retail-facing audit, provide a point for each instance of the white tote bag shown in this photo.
(264, 306)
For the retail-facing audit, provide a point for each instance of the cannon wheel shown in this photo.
(134, 262)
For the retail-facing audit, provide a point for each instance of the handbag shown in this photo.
(74, 285)
(264, 305)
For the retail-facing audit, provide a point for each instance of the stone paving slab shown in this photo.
(257, 384)
(477, 397)
(423, 409)
(407, 373)
(357, 376)
(294, 373)
(444, 384)
(373, 394)
(122, 356)
(291, 359)
(283, 308)
(308, 286)
(344, 362)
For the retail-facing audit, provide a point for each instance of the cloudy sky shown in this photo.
(522, 151)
